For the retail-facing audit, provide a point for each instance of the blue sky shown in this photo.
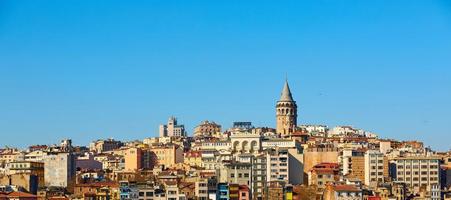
(97, 69)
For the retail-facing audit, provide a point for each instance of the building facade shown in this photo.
(207, 129)
(172, 129)
(418, 172)
(376, 168)
(59, 169)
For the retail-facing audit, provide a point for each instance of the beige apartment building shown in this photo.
(167, 155)
(59, 169)
(353, 164)
(100, 146)
(207, 129)
(376, 168)
(10, 155)
(27, 167)
(419, 171)
(317, 155)
(133, 159)
(323, 174)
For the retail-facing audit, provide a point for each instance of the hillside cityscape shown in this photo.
(288, 162)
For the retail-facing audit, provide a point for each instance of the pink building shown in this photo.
(243, 192)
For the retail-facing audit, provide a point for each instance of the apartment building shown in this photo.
(342, 192)
(172, 129)
(277, 165)
(100, 146)
(353, 164)
(320, 154)
(322, 174)
(133, 159)
(27, 167)
(376, 168)
(207, 129)
(167, 155)
(59, 169)
(418, 171)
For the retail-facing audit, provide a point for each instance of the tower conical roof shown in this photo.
(286, 93)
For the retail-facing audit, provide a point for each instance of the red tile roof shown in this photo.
(346, 188)
(98, 184)
(17, 194)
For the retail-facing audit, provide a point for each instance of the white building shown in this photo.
(278, 142)
(418, 171)
(59, 169)
(36, 156)
(172, 129)
(315, 130)
(342, 131)
(277, 165)
(384, 146)
(375, 164)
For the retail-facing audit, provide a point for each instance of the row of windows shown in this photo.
(379, 173)
(417, 179)
(240, 175)
(417, 173)
(417, 161)
(147, 194)
(417, 167)
(378, 167)
(378, 180)
(324, 176)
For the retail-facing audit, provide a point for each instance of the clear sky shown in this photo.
(98, 69)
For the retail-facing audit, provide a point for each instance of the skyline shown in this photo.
(190, 125)
(93, 70)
